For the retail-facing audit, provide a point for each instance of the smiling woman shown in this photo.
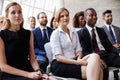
(67, 52)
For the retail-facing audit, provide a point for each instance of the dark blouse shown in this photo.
(17, 48)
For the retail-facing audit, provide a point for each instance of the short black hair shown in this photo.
(88, 10)
(107, 11)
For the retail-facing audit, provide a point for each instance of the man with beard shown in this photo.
(41, 36)
(112, 31)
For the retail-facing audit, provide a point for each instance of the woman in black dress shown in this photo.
(17, 60)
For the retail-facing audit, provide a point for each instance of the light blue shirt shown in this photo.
(61, 43)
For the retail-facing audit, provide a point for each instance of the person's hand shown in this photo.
(103, 64)
(35, 75)
(85, 57)
(45, 77)
(116, 45)
(82, 62)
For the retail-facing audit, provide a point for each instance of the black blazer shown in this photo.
(86, 41)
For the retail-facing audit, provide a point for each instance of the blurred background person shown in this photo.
(32, 23)
(1, 22)
(78, 20)
(53, 23)
(41, 36)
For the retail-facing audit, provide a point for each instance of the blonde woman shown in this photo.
(17, 60)
(67, 55)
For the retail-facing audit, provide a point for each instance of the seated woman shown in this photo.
(53, 23)
(67, 55)
(17, 60)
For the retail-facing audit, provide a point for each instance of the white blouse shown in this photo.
(61, 43)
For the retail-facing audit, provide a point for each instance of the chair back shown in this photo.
(48, 50)
(49, 53)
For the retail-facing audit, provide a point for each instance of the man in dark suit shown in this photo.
(41, 36)
(100, 45)
(113, 32)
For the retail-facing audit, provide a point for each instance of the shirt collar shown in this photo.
(108, 26)
(90, 28)
(43, 27)
(60, 29)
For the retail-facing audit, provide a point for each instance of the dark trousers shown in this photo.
(43, 65)
(112, 60)
(105, 74)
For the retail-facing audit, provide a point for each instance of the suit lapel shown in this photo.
(49, 33)
(117, 34)
(101, 35)
(106, 30)
(39, 38)
(108, 33)
(87, 37)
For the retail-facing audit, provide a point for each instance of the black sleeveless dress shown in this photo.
(16, 51)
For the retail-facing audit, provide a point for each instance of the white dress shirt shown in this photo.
(97, 37)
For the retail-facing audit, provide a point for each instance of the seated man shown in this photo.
(32, 23)
(94, 39)
(113, 32)
(41, 36)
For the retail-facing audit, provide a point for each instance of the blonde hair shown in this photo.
(6, 22)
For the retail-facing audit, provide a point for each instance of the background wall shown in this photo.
(1, 6)
(99, 5)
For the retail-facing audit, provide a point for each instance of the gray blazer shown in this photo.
(117, 33)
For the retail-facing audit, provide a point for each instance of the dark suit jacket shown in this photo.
(86, 42)
(117, 33)
(40, 53)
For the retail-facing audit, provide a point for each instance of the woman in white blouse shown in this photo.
(67, 55)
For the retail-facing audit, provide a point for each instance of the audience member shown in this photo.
(53, 23)
(1, 22)
(32, 22)
(113, 32)
(94, 39)
(78, 20)
(41, 35)
(17, 60)
(67, 55)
